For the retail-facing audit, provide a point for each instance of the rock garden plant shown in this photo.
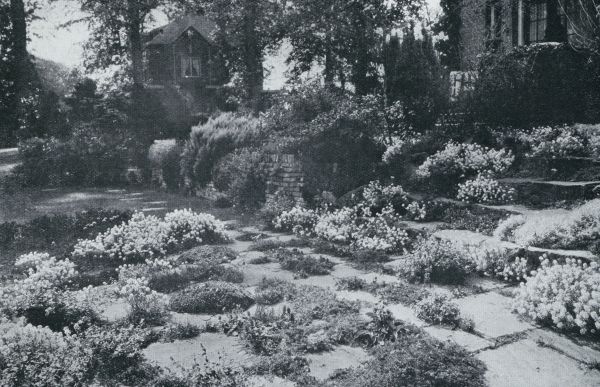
(212, 297)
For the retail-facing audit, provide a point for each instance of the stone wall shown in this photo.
(285, 175)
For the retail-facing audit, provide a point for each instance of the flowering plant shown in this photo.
(299, 220)
(146, 237)
(484, 189)
(465, 160)
(144, 303)
(565, 296)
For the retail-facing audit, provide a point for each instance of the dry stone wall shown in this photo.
(285, 176)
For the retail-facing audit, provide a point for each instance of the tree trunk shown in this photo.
(329, 70)
(20, 57)
(135, 42)
(253, 59)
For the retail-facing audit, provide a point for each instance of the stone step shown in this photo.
(537, 191)
(470, 238)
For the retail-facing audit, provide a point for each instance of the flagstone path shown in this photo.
(516, 352)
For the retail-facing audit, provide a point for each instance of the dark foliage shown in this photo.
(537, 85)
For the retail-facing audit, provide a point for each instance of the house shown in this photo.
(505, 24)
(184, 65)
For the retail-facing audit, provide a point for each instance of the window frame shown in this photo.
(189, 61)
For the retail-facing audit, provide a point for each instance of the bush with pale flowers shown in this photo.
(567, 296)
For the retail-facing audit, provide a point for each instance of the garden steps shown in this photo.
(9, 159)
(538, 191)
(470, 238)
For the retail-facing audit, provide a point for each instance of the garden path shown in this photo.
(516, 352)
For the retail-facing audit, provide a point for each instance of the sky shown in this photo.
(64, 45)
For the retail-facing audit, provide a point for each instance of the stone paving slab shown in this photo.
(525, 364)
(264, 381)
(492, 315)
(253, 274)
(576, 350)
(343, 270)
(322, 281)
(379, 278)
(469, 341)
(405, 314)
(323, 365)
(226, 350)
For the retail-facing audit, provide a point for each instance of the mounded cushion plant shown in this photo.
(211, 297)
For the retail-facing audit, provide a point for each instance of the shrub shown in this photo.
(438, 309)
(42, 296)
(210, 297)
(553, 142)
(369, 256)
(474, 218)
(145, 305)
(87, 158)
(457, 161)
(147, 237)
(165, 155)
(534, 85)
(302, 264)
(299, 220)
(436, 261)
(578, 229)
(116, 354)
(211, 141)
(484, 189)
(36, 356)
(243, 177)
(564, 296)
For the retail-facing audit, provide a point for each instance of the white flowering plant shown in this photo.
(299, 220)
(145, 237)
(378, 196)
(438, 308)
(566, 296)
(554, 142)
(144, 303)
(484, 189)
(463, 160)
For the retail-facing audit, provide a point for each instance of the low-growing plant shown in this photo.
(302, 264)
(178, 331)
(564, 296)
(434, 260)
(145, 237)
(416, 360)
(271, 291)
(274, 244)
(210, 297)
(208, 254)
(301, 221)
(145, 304)
(483, 189)
(438, 309)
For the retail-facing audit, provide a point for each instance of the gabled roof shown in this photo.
(172, 31)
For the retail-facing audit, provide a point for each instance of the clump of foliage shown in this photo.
(458, 161)
(147, 237)
(243, 177)
(86, 158)
(172, 332)
(302, 264)
(145, 304)
(165, 155)
(210, 297)
(416, 360)
(483, 189)
(578, 229)
(211, 141)
(272, 291)
(434, 260)
(438, 309)
(534, 85)
(564, 296)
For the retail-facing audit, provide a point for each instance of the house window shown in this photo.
(538, 15)
(190, 67)
(494, 24)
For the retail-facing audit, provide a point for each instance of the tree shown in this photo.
(247, 29)
(19, 84)
(117, 28)
(415, 81)
(346, 36)
(449, 24)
